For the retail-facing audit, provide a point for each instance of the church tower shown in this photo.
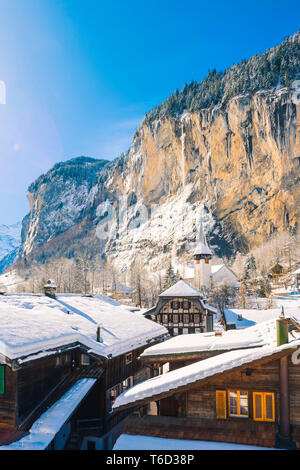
(202, 262)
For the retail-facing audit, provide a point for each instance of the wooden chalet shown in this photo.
(241, 387)
(182, 310)
(64, 359)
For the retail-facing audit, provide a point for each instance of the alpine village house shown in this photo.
(63, 361)
(240, 387)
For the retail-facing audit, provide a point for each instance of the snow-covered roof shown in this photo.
(198, 371)
(181, 289)
(261, 334)
(202, 249)
(258, 335)
(243, 318)
(31, 324)
(136, 442)
(49, 423)
(50, 283)
(216, 267)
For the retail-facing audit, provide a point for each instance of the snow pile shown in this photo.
(133, 442)
(31, 324)
(198, 371)
(48, 425)
(243, 318)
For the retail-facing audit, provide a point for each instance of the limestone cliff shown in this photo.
(235, 164)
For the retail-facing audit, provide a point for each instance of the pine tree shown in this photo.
(170, 278)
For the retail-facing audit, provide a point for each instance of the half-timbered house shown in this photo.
(182, 309)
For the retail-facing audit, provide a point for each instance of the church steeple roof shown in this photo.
(202, 247)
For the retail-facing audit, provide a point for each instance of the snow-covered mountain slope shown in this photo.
(226, 150)
(10, 237)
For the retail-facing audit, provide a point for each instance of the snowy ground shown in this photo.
(130, 442)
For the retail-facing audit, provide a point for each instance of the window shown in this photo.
(165, 318)
(186, 305)
(185, 331)
(126, 384)
(2, 379)
(175, 318)
(221, 412)
(238, 403)
(263, 406)
(85, 360)
(128, 358)
(186, 318)
(175, 305)
(175, 331)
(196, 318)
(115, 391)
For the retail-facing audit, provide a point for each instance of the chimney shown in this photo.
(282, 329)
(98, 333)
(50, 288)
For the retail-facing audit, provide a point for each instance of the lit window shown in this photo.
(238, 403)
(263, 406)
(165, 318)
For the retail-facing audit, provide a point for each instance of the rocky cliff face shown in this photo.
(236, 166)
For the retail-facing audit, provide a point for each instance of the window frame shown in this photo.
(263, 406)
(128, 358)
(238, 415)
(85, 359)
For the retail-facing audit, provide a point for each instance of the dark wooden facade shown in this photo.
(31, 388)
(193, 411)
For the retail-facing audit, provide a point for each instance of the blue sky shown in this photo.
(80, 74)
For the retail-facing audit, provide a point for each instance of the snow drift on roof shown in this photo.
(181, 289)
(198, 371)
(33, 323)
